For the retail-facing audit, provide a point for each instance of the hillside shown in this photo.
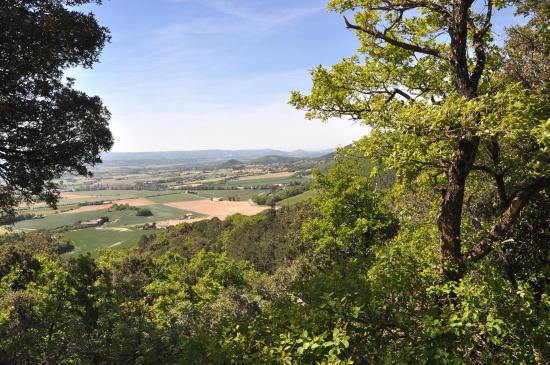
(207, 155)
(274, 159)
(231, 164)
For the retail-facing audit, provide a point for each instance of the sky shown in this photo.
(216, 74)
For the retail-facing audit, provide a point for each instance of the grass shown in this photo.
(297, 199)
(268, 181)
(160, 213)
(242, 195)
(174, 197)
(120, 218)
(89, 240)
(93, 196)
(67, 219)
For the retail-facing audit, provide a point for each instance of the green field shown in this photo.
(174, 197)
(89, 240)
(119, 233)
(242, 195)
(297, 199)
(269, 181)
(160, 213)
(93, 196)
(68, 219)
(116, 218)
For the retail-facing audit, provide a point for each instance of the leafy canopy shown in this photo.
(47, 128)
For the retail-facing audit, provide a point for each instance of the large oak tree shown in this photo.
(47, 128)
(433, 86)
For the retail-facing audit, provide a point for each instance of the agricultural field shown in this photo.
(240, 195)
(174, 197)
(297, 199)
(266, 181)
(173, 194)
(267, 176)
(91, 240)
(117, 218)
(219, 209)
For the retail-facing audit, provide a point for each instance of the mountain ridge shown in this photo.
(210, 154)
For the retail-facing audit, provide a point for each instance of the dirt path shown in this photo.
(175, 222)
(115, 229)
(116, 244)
(68, 195)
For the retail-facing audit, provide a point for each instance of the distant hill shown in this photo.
(207, 155)
(273, 159)
(231, 163)
(327, 157)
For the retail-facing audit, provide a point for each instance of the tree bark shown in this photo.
(450, 217)
(508, 218)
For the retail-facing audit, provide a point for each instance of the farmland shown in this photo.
(173, 193)
(90, 240)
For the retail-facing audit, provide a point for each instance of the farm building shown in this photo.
(187, 216)
(91, 223)
(217, 199)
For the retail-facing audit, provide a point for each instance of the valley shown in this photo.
(101, 212)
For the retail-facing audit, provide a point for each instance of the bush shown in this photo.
(144, 212)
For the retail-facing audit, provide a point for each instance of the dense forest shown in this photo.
(427, 241)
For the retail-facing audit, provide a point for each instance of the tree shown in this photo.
(430, 90)
(351, 215)
(144, 212)
(47, 128)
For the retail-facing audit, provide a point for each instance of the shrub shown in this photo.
(144, 212)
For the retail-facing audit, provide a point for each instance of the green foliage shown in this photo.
(53, 128)
(351, 214)
(125, 206)
(355, 275)
(268, 240)
(276, 195)
(443, 102)
(144, 212)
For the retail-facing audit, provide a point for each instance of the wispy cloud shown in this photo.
(229, 17)
(214, 73)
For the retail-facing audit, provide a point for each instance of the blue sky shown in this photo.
(201, 74)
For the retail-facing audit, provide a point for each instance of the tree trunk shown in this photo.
(450, 217)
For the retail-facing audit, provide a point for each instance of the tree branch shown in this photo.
(508, 218)
(395, 92)
(397, 43)
(479, 46)
(410, 5)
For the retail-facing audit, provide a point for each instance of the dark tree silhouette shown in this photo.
(47, 128)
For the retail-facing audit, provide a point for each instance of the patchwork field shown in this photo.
(167, 205)
(117, 218)
(123, 228)
(135, 202)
